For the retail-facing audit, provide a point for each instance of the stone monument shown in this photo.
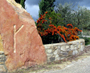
(22, 44)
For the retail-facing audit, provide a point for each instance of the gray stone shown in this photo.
(72, 47)
(82, 48)
(2, 68)
(52, 59)
(58, 51)
(68, 49)
(55, 47)
(61, 58)
(1, 52)
(67, 46)
(57, 58)
(75, 52)
(1, 56)
(51, 47)
(63, 53)
(70, 53)
(49, 51)
(58, 47)
(63, 48)
(79, 45)
(2, 59)
(75, 48)
(55, 52)
(49, 55)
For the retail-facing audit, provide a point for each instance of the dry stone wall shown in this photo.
(60, 51)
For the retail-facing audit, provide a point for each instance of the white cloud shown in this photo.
(88, 8)
(33, 10)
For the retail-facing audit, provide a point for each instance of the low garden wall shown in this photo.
(60, 51)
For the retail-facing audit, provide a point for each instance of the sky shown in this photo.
(32, 6)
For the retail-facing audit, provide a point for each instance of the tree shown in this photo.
(46, 5)
(78, 18)
(55, 18)
(22, 2)
(66, 12)
(82, 16)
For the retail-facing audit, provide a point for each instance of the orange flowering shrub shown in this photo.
(68, 33)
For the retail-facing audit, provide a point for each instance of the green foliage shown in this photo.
(83, 18)
(66, 12)
(22, 2)
(79, 18)
(87, 40)
(55, 19)
(46, 5)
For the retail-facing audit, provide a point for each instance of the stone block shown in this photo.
(48, 51)
(67, 46)
(75, 52)
(57, 58)
(50, 55)
(79, 45)
(63, 48)
(1, 52)
(75, 48)
(63, 53)
(72, 47)
(61, 58)
(55, 47)
(70, 53)
(2, 69)
(59, 47)
(82, 47)
(52, 59)
(55, 52)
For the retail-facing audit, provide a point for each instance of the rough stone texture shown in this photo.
(21, 41)
(60, 51)
(1, 44)
(3, 68)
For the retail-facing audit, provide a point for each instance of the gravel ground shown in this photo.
(81, 66)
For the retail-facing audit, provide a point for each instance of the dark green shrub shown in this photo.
(87, 40)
